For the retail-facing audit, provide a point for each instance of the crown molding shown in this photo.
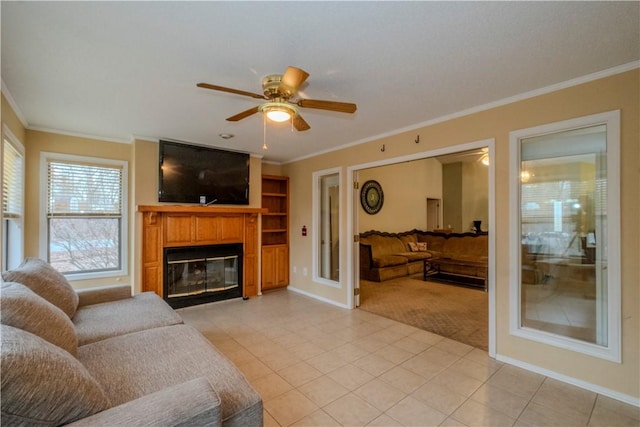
(79, 135)
(144, 138)
(14, 105)
(510, 100)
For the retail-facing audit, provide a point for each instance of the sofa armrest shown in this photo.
(192, 403)
(103, 294)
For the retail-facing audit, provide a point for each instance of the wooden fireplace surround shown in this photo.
(165, 226)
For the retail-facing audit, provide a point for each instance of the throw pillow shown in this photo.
(418, 246)
(47, 282)
(43, 384)
(21, 308)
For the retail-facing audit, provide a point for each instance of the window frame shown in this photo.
(315, 229)
(19, 147)
(45, 158)
(612, 351)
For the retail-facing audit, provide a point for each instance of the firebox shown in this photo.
(201, 274)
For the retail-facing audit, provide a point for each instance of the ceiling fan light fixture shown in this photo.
(278, 111)
(278, 115)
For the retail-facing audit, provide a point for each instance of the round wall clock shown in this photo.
(371, 197)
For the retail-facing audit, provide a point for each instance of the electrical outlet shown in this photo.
(295, 269)
(304, 271)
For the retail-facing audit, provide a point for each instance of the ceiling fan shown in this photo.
(280, 92)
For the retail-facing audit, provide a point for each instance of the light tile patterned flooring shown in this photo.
(315, 364)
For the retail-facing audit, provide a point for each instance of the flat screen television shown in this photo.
(204, 175)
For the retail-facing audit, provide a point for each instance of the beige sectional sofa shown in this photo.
(104, 357)
(385, 256)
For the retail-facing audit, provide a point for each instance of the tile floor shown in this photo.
(315, 364)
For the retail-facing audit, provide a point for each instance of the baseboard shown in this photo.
(634, 401)
(310, 295)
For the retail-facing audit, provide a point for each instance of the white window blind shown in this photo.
(12, 185)
(85, 215)
(76, 189)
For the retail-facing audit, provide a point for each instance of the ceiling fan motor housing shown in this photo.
(273, 88)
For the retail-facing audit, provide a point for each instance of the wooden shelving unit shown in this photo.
(275, 232)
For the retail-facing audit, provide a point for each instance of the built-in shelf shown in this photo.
(275, 232)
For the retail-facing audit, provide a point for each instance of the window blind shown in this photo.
(12, 181)
(78, 189)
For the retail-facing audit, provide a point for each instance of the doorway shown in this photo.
(432, 218)
(433, 214)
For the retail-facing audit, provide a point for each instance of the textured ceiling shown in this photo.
(120, 70)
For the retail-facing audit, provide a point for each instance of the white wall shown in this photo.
(406, 187)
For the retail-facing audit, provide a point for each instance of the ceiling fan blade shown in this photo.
(244, 114)
(229, 90)
(300, 124)
(342, 107)
(293, 77)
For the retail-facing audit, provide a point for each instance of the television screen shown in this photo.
(205, 175)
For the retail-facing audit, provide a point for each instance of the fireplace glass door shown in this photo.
(197, 276)
(200, 274)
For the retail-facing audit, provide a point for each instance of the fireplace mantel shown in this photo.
(199, 209)
(165, 226)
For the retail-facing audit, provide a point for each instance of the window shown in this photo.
(326, 227)
(85, 206)
(12, 201)
(565, 207)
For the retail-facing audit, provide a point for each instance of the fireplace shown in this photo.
(202, 274)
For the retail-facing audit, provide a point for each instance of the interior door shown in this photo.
(355, 243)
(433, 214)
(334, 229)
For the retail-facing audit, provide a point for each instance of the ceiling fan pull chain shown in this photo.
(264, 132)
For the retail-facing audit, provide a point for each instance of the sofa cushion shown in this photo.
(21, 308)
(162, 357)
(416, 256)
(408, 239)
(192, 403)
(434, 243)
(389, 260)
(143, 311)
(475, 246)
(384, 245)
(43, 384)
(45, 281)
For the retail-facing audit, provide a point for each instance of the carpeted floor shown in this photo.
(452, 311)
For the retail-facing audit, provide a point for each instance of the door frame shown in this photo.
(353, 253)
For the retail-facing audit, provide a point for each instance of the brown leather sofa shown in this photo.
(385, 256)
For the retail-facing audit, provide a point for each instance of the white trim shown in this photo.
(631, 400)
(353, 272)
(315, 227)
(613, 350)
(316, 297)
(143, 138)
(13, 139)
(15, 142)
(124, 229)
(491, 264)
(14, 105)
(509, 100)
